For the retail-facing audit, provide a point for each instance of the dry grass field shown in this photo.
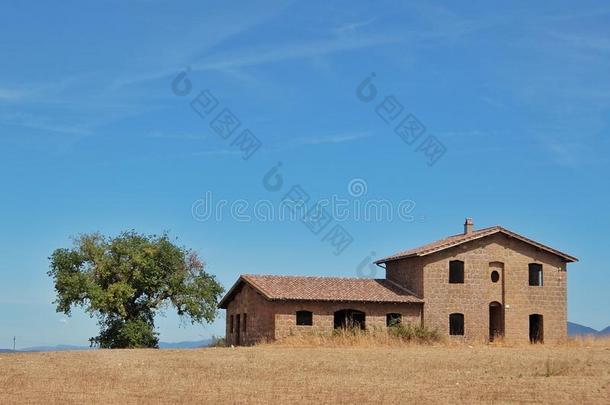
(571, 373)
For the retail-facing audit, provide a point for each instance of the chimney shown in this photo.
(468, 226)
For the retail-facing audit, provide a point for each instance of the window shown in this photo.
(304, 318)
(456, 271)
(349, 318)
(535, 274)
(456, 324)
(231, 324)
(495, 276)
(393, 319)
(237, 323)
(245, 322)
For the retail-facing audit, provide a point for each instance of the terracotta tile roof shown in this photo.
(323, 289)
(455, 240)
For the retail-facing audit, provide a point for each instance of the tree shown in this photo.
(124, 281)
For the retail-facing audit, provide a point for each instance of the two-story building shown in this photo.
(474, 286)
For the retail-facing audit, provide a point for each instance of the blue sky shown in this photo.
(92, 137)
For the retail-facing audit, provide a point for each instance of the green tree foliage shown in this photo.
(125, 281)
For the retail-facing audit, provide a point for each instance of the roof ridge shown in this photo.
(315, 288)
(458, 239)
(305, 276)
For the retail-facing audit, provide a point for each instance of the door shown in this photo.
(536, 328)
(496, 321)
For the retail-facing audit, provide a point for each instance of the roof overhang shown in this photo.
(252, 282)
(479, 235)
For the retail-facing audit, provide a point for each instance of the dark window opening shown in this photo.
(495, 276)
(535, 274)
(536, 328)
(456, 271)
(304, 318)
(393, 319)
(237, 330)
(456, 324)
(245, 322)
(231, 324)
(349, 318)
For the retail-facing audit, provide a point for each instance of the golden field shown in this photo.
(578, 372)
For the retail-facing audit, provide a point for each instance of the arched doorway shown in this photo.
(496, 320)
(350, 318)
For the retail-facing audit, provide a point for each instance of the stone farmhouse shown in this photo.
(474, 286)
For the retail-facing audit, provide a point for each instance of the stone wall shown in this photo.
(323, 315)
(260, 318)
(268, 320)
(510, 257)
(407, 273)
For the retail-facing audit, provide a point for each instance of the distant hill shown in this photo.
(58, 348)
(185, 345)
(162, 345)
(604, 332)
(575, 329)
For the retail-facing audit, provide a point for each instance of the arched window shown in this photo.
(456, 271)
(304, 318)
(535, 274)
(456, 324)
(393, 319)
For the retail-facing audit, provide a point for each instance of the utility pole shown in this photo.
(14, 340)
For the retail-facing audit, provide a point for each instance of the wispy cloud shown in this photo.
(591, 42)
(278, 145)
(41, 123)
(292, 51)
(471, 133)
(7, 94)
(47, 92)
(217, 152)
(195, 42)
(178, 136)
(353, 27)
(577, 15)
(318, 140)
(337, 138)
